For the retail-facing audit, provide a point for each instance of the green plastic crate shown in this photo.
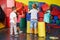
(32, 2)
(58, 22)
(23, 24)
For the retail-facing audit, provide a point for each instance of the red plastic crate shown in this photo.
(26, 8)
(18, 5)
(59, 16)
(55, 11)
(53, 25)
(45, 7)
(41, 14)
(22, 11)
(40, 19)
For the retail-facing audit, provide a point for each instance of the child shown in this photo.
(47, 19)
(18, 23)
(34, 18)
(13, 21)
(47, 16)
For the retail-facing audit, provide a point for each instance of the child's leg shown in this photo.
(31, 26)
(35, 27)
(11, 28)
(18, 29)
(15, 30)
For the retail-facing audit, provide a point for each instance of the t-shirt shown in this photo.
(18, 19)
(47, 17)
(33, 13)
(12, 16)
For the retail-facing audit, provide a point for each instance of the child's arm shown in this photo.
(22, 14)
(14, 20)
(29, 11)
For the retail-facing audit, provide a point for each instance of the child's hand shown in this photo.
(28, 10)
(15, 23)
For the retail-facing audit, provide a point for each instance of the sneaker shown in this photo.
(11, 35)
(20, 32)
(53, 37)
(31, 34)
(16, 35)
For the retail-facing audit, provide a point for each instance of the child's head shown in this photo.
(34, 6)
(14, 9)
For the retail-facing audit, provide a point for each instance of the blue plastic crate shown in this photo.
(53, 21)
(28, 16)
(55, 17)
(40, 4)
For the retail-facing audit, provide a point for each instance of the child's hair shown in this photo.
(13, 8)
(34, 5)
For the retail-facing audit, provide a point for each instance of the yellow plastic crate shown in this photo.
(28, 26)
(2, 25)
(41, 29)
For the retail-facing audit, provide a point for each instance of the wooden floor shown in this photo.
(5, 35)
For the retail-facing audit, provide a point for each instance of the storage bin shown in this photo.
(23, 24)
(41, 29)
(28, 26)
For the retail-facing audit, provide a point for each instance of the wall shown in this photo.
(51, 1)
(7, 8)
(47, 1)
(23, 1)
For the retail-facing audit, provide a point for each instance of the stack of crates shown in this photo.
(40, 5)
(40, 16)
(41, 29)
(28, 22)
(41, 23)
(45, 7)
(55, 11)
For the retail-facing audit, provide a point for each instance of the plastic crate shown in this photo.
(41, 29)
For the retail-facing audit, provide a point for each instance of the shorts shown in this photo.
(33, 24)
